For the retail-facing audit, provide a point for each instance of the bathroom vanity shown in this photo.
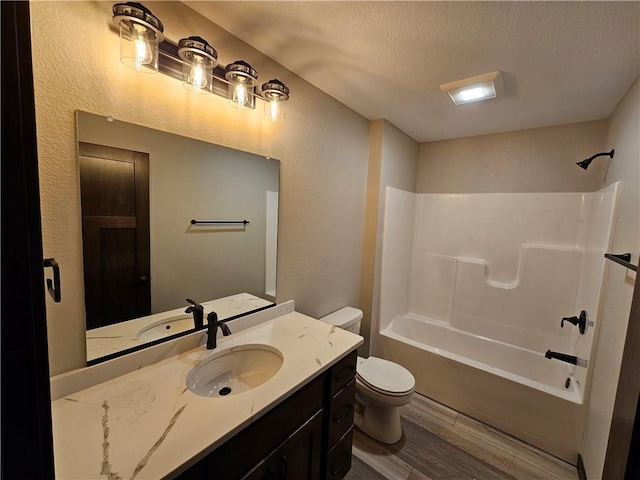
(147, 424)
(307, 436)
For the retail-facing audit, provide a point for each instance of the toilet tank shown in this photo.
(347, 318)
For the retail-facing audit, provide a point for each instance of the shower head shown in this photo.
(585, 163)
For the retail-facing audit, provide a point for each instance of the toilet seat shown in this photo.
(385, 377)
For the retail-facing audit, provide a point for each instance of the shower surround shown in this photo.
(473, 289)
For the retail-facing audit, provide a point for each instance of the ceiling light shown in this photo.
(474, 89)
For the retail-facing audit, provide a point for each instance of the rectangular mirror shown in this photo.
(165, 219)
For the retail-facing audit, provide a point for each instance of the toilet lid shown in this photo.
(385, 376)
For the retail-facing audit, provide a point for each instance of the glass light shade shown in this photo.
(238, 94)
(242, 78)
(275, 94)
(198, 62)
(274, 110)
(140, 36)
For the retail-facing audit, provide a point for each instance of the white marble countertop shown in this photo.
(148, 425)
(114, 338)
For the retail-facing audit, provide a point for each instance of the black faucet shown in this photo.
(580, 322)
(198, 313)
(212, 330)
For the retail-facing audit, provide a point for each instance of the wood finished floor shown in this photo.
(439, 443)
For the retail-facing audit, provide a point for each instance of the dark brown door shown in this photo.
(114, 190)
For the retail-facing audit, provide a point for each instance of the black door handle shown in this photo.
(53, 286)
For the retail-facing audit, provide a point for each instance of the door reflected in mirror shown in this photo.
(141, 189)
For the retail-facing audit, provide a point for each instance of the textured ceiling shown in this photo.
(562, 62)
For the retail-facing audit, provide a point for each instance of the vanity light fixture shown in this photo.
(194, 61)
(198, 61)
(242, 78)
(475, 89)
(274, 93)
(140, 36)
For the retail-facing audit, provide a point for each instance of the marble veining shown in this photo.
(106, 466)
(143, 462)
(146, 425)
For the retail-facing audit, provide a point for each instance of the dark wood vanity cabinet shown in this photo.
(339, 421)
(298, 457)
(308, 436)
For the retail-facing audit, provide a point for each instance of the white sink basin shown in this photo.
(165, 327)
(235, 370)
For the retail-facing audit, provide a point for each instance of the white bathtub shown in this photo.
(510, 388)
(526, 367)
(472, 291)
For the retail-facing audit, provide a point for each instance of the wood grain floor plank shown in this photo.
(438, 458)
(361, 471)
(509, 465)
(525, 452)
(434, 408)
(442, 444)
(375, 455)
(418, 475)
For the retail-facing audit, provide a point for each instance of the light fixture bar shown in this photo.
(192, 61)
(475, 89)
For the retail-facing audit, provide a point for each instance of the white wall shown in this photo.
(393, 160)
(322, 147)
(537, 160)
(623, 134)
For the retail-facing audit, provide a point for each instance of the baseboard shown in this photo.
(582, 475)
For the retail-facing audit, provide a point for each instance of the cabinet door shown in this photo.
(299, 456)
(339, 458)
(265, 470)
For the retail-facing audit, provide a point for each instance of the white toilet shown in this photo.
(382, 387)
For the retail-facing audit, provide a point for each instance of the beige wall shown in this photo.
(323, 148)
(623, 134)
(537, 160)
(393, 161)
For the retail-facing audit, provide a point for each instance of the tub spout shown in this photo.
(566, 358)
(561, 356)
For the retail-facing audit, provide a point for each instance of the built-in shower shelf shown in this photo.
(623, 259)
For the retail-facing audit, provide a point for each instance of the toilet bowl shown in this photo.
(382, 387)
